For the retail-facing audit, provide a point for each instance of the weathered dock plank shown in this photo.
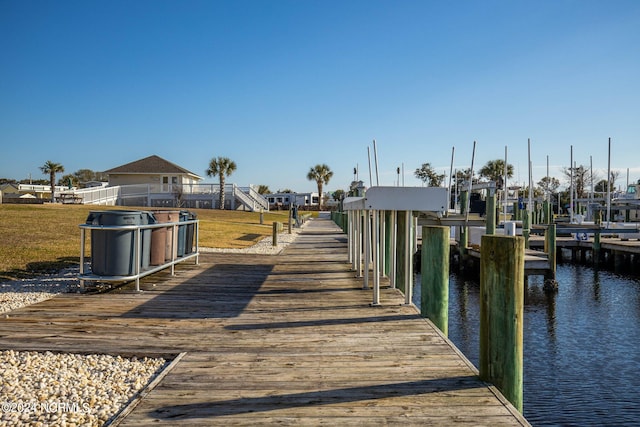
(288, 339)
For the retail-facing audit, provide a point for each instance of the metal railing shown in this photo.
(137, 252)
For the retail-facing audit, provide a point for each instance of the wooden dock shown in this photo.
(614, 244)
(288, 339)
(621, 255)
(535, 262)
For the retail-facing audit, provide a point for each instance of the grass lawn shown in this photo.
(36, 239)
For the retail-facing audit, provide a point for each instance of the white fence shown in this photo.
(168, 195)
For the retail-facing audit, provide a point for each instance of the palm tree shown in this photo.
(222, 167)
(321, 174)
(494, 171)
(263, 189)
(52, 169)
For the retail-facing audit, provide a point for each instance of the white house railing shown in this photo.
(95, 195)
(260, 200)
(248, 196)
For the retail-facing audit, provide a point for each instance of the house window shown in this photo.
(168, 183)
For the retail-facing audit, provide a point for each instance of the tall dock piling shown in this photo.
(435, 276)
(596, 240)
(526, 228)
(464, 231)
(401, 252)
(501, 314)
(550, 247)
(388, 247)
(491, 213)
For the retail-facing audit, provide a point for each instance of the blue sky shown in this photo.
(279, 86)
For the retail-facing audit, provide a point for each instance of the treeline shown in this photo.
(77, 178)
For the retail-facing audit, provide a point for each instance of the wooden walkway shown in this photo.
(287, 339)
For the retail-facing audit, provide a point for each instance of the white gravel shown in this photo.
(43, 389)
(20, 293)
(264, 246)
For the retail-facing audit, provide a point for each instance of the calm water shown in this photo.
(581, 345)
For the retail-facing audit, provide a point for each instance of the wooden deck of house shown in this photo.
(288, 339)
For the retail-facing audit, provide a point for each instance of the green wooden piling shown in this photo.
(532, 215)
(553, 247)
(464, 231)
(387, 242)
(550, 283)
(501, 314)
(546, 212)
(435, 276)
(400, 250)
(526, 227)
(491, 213)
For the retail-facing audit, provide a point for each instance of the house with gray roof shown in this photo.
(163, 175)
(156, 182)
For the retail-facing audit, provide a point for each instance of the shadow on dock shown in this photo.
(253, 405)
(221, 291)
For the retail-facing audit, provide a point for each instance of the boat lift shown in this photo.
(366, 226)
